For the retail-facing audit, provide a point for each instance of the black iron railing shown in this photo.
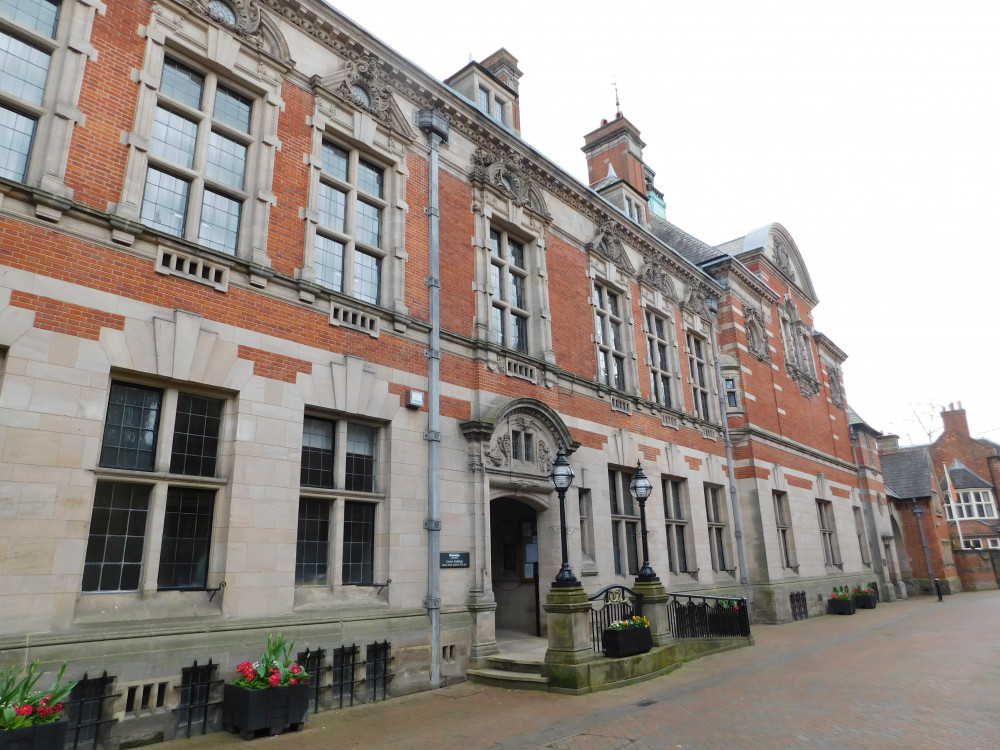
(314, 662)
(612, 603)
(800, 607)
(708, 617)
(196, 686)
(344, 662)
(378, 657)
(85, 711)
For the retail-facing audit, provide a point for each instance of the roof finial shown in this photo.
(618, 106)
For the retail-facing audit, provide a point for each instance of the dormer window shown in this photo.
(499, 110)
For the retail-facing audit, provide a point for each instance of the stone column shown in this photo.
(570, 644)
(655, 608)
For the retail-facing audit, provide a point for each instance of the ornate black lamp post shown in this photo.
(640, 488)
(562, 477)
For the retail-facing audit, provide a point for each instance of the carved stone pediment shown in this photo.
(609, 242)
(701, 300)
(246, 22)
(508, 175)
(654, 273)
(364, 86)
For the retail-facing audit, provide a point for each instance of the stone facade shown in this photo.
(256, 256)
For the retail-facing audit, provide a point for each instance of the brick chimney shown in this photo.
(955, 420)
(616, 144)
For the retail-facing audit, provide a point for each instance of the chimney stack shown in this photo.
(955, 420)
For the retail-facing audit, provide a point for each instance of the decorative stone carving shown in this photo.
(508, 175)
(366, 88)
(499, 453)
(246, 21)
(756, 334)
(808, 385)
(654, 273)
(836, 385)
(701, 300)
(608, 241)
(782, 259)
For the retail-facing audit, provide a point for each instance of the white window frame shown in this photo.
(972, 504)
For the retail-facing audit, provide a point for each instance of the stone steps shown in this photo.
(507, 678)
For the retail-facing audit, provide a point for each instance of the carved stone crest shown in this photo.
(366, 88)
(243, 18)
(654, 273)
(608, 241)
(509, 176)
(836, 385)
(701, 301)
(782, 259)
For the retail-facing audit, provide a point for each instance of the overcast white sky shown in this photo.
(868, 129)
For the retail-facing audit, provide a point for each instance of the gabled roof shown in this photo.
(907, 472)
(854, 420)
(964, 478)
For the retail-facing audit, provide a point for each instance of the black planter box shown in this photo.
(841, 606)
(274, 709)
(51, 736)
(627, 642)
(865, 601)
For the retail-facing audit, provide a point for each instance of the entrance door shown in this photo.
(514, 545)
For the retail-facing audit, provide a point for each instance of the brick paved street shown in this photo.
(914, 674)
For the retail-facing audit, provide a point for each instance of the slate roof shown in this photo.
(853, 418)
(964, 478)
(907, 472)
(686, 245)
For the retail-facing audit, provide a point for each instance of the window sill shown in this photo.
(323, 598)
(151, 477)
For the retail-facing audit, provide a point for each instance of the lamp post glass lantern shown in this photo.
(562, 477)
(640, 488)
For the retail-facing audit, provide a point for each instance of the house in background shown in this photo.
(974, 468)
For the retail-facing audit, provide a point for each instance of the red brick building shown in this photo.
(239, 396)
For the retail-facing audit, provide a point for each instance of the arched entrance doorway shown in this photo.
(514, 563)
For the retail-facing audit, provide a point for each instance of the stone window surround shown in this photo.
(624, 524)
(335, 122)
(334, 590)
(783, 526)
(206, 47)
(705, 389)
(529, 233)
(828, 534)
(677, 521)
(161, 480)
(673, 371)
(59, 111)
(718, 528)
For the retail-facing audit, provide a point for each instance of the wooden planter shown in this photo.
(627, 642)
(865, 601)
(841, 606)
(51, 736)
(274, 709)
